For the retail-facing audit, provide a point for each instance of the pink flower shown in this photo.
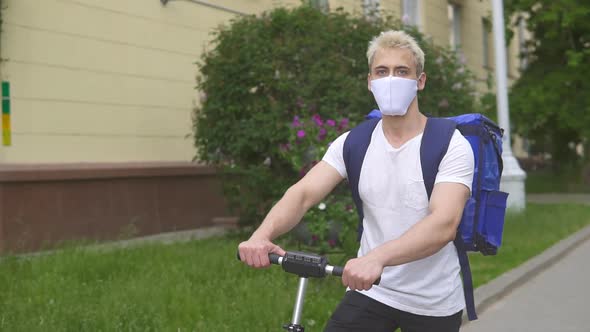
(322, 134)
(343, 124)
(296, 122)
(331, 123)
(332, 243)
(318, 120)
(301, 133)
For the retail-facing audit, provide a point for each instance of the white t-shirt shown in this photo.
(394, 198)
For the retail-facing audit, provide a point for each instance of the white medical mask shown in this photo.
(394, 94)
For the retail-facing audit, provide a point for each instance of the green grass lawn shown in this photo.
(200, 286)
(546, 181)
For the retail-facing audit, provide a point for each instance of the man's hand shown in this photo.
(360, 273)
(254, 252)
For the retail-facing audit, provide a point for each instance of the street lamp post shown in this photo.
(513, 176)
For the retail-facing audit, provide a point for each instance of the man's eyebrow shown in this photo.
(396, 67)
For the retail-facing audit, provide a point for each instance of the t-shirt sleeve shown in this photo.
(457, 165)
(334, 156)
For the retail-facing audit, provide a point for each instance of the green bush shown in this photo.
(264, 72)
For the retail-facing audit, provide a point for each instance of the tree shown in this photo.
(279, 87)
(550, 103)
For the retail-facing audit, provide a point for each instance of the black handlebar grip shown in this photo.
(274, 258)
(337, 271)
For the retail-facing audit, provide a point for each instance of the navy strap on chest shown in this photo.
(355, 149)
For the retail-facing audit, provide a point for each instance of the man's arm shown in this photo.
(422, 240)
(287, 213)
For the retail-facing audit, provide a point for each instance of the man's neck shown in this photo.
(400, 129)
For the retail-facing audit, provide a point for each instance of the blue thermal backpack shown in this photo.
(482, 222)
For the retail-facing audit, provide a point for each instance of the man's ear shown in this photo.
(369, 81)
(422, 81)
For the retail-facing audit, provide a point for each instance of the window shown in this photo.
(454, 12)
(371, 8)
(322, 5)
(410, 12)
(522, 47)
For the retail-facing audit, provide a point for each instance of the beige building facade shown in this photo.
(113, 81)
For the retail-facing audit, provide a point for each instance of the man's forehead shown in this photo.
(393, 57)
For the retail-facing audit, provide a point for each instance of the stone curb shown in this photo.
(164, 238)
(559, 198)
(501, 286)
(168, 237)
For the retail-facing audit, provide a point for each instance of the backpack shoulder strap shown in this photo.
(355, 148)
(435, 143)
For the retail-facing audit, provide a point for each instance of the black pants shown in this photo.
(358, 312)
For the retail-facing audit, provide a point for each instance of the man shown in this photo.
(407, 239)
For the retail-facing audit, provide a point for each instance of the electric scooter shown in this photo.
(304, 265)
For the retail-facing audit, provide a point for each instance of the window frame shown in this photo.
(454, 15)
(414, 15)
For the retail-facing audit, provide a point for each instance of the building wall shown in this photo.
(113, 81)
(105, 81)
(393, 7)
(437, 25)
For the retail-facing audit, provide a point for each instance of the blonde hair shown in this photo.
(396, 39)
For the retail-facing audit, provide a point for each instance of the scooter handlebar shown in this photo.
(328, 269)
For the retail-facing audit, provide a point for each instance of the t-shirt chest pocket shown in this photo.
(415, 196)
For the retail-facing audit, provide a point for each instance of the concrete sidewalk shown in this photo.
(554, 296)
(553, 198)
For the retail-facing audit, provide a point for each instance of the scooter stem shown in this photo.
(299, 301)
